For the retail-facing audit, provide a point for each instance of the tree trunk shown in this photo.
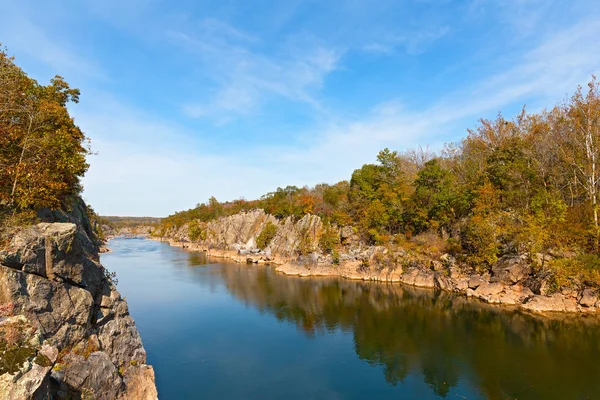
(21, 157)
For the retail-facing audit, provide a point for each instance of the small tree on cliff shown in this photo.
(266, 235)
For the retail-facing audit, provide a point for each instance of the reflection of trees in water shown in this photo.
(504, 353)
(196, 258)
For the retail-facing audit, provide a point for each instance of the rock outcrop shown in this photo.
(51, 277)
(235, 237)
(295, 251)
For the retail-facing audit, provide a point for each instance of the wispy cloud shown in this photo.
(413, 43)
(245, 77)
(192, 91)
(29, 37)
(170, 179)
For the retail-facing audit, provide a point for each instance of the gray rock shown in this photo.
(512, 270)
(475, 281)
(556, 302)
(51, 272)
(588, 298)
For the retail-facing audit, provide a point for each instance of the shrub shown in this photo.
(306, 246)
(196, 231)
(329, 239)
(266, 236)
(584, 268)
(335, 257)
(480, 241)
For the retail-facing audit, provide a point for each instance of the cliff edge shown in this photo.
(65, 331)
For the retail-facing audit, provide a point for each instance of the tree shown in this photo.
(437, 199)
(579, 132)
(42, 151)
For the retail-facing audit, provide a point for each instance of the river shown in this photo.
(215, 330)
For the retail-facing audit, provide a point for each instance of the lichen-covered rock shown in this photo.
(25, 362)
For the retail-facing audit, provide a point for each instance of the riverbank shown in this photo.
(506, 288)
(272, 333)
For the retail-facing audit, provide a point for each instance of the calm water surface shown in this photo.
(229, 331)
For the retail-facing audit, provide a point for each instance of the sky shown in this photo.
(188, 99)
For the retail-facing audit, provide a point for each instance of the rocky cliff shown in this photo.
(294, 248)
(65, 331)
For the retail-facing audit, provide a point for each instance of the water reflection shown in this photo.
(229, 331)
(445, 338)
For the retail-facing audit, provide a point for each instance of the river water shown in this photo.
(216, 330)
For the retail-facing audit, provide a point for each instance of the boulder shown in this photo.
(95, 377)
(444, 282)
(588, 298)
(475, 281)
(556, 302)
(512, 270)
(419, 278)
(489, 291)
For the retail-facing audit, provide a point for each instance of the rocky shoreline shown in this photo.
(65, 325)
(512, 281)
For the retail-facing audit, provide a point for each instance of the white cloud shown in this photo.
(158, 179)
(150, 165)
(28, 37)
(245, 77)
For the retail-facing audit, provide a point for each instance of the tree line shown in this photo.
(522, 185)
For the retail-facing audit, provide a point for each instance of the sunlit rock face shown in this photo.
(295, 249)
(74, 319)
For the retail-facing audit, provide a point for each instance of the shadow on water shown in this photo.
(505, 353)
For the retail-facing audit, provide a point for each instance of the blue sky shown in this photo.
(188, 99)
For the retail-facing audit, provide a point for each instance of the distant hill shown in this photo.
(131, 221)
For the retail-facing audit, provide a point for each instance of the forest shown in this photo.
(522, 185)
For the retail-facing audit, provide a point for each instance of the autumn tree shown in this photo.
(578, 129)
(42, 151)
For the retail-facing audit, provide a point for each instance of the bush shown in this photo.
(196, 231)
(335, 257)
(480, 241)
(305, 246)
(329, 239)
(266, 236)
(584, 268)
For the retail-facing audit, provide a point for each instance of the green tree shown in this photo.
(438, 200)
(266, 235)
